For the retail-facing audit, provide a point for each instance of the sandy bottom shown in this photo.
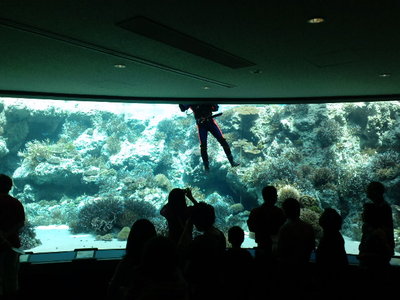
(56, 238)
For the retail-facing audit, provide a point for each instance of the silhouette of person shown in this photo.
(330, 255)
(238, 266)
(375, 192)
(375, 252)
(176, 212)
(204, 255)
(266, 220)
(142, 230)
(12, 220)
(377, 241)
(158, 277)
(296, 242)
(206, 123)
(375, 249)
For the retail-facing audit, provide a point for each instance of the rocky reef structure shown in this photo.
(98, 170)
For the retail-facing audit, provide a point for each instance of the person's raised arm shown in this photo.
(188, 193)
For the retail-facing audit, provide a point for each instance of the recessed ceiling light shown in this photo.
(317, 20)
(206, 87)
(119, 66)
(385, 75)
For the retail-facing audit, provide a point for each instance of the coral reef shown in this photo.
(28, 237)
(98, 170)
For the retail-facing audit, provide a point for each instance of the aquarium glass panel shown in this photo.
(85, 171)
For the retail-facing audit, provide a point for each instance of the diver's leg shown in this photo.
(217, 133)
(203, 146)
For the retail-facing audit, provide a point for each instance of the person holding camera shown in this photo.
(177, 212)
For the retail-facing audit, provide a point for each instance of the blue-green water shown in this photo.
(94, 168)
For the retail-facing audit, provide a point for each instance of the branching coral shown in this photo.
(328, 133)
(310, 203)
(322, 176)
(28, 237)
(43, 151)
(287, 191)
(263, 172)
(386, 165)
(133, 210)
(352, 182)
(98, 217)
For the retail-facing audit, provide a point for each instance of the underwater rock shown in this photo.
(3, 147)
(106, 237)
(123, 234)
(90, 142)
(236, 208)
(16, 134)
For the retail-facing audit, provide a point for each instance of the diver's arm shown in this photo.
(184, 107)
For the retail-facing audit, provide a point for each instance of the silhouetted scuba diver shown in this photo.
(206, 123)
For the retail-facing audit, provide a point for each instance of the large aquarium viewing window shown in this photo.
(85, 171)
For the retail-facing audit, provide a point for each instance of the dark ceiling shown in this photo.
(230, 50)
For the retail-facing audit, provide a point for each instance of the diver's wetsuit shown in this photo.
(205, 123)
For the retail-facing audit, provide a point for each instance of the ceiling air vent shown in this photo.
(152, 30)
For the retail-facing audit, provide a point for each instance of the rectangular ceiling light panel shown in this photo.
(155, 31)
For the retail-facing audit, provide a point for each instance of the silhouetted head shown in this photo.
(141, 231)
(177, 200)
(330, 220)
(270, 194)
(203, 216)
(5, 183)
(291, 208)
(236, 236)
(375, 191)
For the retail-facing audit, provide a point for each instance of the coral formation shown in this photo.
(328, 133)
(386, 165)
(28, 237)
(99, 216)
(98, 170)
(287, 191)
